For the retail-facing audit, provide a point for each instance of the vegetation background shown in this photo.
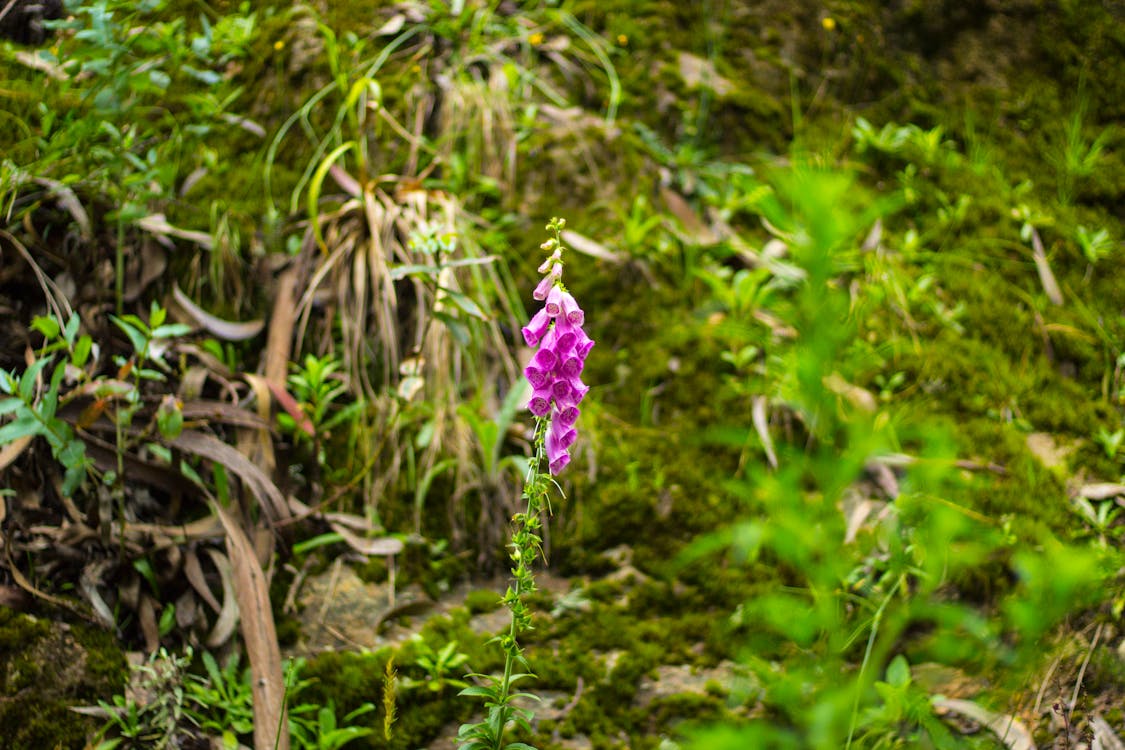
(850, 472)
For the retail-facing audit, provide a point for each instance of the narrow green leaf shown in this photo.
(136, 338)
(315, 186)
(71, 329)
(27, 380)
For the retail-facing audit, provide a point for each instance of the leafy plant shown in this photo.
(1095, 244)
(35, 414)
(221, 701)
(438, 666)
(154, 721)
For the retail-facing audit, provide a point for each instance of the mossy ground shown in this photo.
(48, 667)
(1001, 82)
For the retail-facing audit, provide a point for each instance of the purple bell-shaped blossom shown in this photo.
(555, 368)
(533, 331)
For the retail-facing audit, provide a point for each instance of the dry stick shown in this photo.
(7, 9)
(1043, 686)
(565, 711)
(1082, 673)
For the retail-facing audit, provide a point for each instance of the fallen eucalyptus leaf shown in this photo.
(1009, 729)
(224, 329)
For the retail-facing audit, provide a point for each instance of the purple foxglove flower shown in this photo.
(561, 389)
(548, 282)
(559, 463)
(554, 306)
(564, 436)
(534, 330)
(540, 403)
(583, 345)
(546, 359)
(572, 311)
(567, 415)
(576, 391)
(565, 339)
(555, 257)
(557, 456)
(571, 367)
(539, 379)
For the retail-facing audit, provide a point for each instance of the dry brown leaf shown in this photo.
(193, 571)
(68, 200)
(43, 65)
(157, 224)
(255, 480)
(204, 528)
(697, 231)
(224, 329)
(381, 546)
(260, 636)
(761, 425)
(860, 398)
(393, 25)
(228, 615)
(11, 451)
(1046, 277)
(874, 236)
(698, 72)
(347, 183)
(139, 471)
(1009, 729)
(222, 413)
(587, 246)
(152, 261)
(146, 613)
(279, 343)
(186, 607)
(1102, 490)
(258, 444)
(1104, 736)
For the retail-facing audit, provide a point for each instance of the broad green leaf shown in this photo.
(898, 672)
(171, 331)
(46, 325)
(82, 351)
(73, 479)
(26, 424)
(465, 304)
(9, 405)
(457, 329)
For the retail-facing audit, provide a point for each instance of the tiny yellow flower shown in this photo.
(535, 39)
(622, 39)
(828, 22)
(279, 45)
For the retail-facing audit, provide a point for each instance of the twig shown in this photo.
(565, 710)
(1082, 672)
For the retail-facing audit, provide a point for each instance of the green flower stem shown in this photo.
(525, 548)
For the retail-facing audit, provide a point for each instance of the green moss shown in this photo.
(45, 669)
(482, 601)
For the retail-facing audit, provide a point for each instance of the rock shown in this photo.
(22, 20)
